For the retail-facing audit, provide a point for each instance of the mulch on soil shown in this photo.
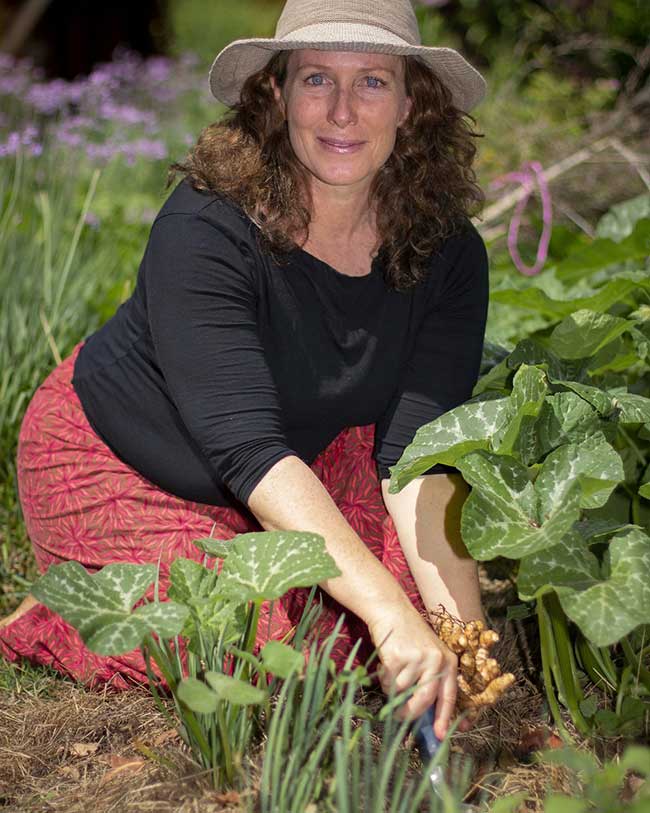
(74, 750)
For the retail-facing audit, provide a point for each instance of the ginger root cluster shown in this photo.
(480, 680)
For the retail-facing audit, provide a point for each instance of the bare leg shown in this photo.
(24, 607)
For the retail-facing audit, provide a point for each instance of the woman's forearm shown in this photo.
(291, 497)
(426, 514)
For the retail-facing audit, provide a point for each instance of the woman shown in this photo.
(312, 292)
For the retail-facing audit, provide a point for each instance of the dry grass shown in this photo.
(63, 748)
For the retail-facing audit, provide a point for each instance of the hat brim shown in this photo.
(242, 58)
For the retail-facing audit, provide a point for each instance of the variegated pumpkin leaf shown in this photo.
(517, 436)
(531, 351)
(592, 529)
(569, 562)
(99, 606)
(598, 399)
(584, 333)
(264, 566)
(594, 463)
(213, 547)
(604, 609)
(234, 691)
(452, 435)
(195, 586)
(567, 418)
(625, 407)
(501, 515)
(507, 515)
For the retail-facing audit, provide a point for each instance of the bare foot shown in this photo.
(24, 607)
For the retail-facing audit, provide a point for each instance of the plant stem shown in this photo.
(640, 671)
(570, 686)
(549, 665)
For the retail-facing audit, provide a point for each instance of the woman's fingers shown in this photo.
(446, 701)
(425, 677)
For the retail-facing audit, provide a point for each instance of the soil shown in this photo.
(67, 749)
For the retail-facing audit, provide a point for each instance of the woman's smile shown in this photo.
(341, 146)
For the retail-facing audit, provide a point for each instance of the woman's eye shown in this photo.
(316, 80)
(374, 82)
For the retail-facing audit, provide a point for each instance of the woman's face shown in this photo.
(343, 110)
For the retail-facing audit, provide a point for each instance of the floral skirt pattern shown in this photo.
(80, 502)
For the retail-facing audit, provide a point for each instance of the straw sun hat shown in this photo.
(371, 26)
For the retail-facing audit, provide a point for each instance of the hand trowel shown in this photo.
(428, 745)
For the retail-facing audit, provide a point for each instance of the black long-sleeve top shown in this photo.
(224, 361)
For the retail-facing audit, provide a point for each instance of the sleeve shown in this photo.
(201, 302)
(446, 358)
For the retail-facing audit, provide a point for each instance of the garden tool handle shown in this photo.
(427, 742)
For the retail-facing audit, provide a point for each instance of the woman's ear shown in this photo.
(277, 92)
(408, 106)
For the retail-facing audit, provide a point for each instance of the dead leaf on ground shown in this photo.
(231, 797)
(83, 749)
(122, 765)
(166, 736)
(70, 771)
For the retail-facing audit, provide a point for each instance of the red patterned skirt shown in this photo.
(82, 503)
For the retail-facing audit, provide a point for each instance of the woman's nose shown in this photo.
(342, 111)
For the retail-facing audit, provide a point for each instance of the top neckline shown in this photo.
(375, 266)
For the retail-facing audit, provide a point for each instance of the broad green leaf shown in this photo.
(595, 397)
(569, 562)
(556, 803)
(632, 408)
(263, 566)
(621, 219)
(594, 463)
(234, 691)
(530, 351)
(445, 440)
(507, 515)
(614, 291)
(626, 407)
(501, 516)
(497, 379)
(516, 436)
(197, 696)
(195, 586)
(584, 333)
(591, 529)
(166, 618)
(190, 580)
(644, 491)
(566, 418)
(604, 252)
(604, 609)
(493, 354)
(281, 659)
(99, 606)
(636, 757)
(214, 547)
(509, 804)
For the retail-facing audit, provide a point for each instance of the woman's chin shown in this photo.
(343, 176)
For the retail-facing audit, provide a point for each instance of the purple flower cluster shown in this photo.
(130, 107)
(25, 140)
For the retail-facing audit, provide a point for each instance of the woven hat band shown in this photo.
(396, 18)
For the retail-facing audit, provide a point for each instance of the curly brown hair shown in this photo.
(423, 194)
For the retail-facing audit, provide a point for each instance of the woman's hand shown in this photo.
(411, 653)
